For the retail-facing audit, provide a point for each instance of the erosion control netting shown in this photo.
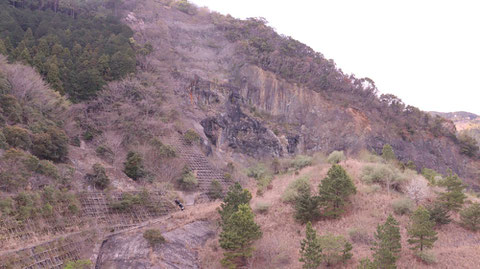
(114, 211)
(51, 254)
(122, 210)
(14, 232)
(205, 172)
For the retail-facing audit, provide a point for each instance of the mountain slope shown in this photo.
(211, 96)
(261, 94)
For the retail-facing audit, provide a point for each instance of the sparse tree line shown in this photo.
(259, 44)
(70, 7)
(334, 191)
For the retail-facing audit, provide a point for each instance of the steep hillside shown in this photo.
(112, 111)
(279, 246)
(264, 95)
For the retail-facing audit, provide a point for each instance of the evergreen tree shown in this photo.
(99, 178)
(25, 56)
(42, 47)
(421, 232)
(470, 217)
(39, 63)
(53, 75)
(453, 198)
(134, 166)
(306, 206)
(51, 144)
(334, 191)
(238, 234)
(121, 64)
(387, 153)
(107, 52)
(28, 38)
(236, 196)
(77, 50)
(310, 249)
(104, 66)
(387, 245)
(439, 213)
(57, 50)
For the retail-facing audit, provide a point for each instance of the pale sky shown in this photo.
(425, 52)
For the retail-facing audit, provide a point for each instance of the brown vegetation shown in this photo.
(279, 246)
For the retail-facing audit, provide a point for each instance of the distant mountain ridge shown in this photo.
(463, 120)
(458, 116)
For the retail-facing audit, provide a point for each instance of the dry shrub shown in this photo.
(336, 157)
(154, 237)
(262, 207)
(386, 175)
(372, 188)
(403, 206)
(301, 161)
(291, 192)
(319, 158)
(360, 236)
(426, 257)
(369, 157)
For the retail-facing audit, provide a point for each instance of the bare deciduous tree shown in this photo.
(417, 190)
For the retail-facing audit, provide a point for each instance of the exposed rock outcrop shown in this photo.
(241, 132)
(133, 251)
(226, 68)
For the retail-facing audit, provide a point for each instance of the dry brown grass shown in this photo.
(279, 246)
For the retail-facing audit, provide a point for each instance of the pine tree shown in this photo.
(104, 67)
(57, 50)
(470, 217)
(238, 234)
(42, 47)
(387, 245)
(454, 197)
(439, 213)
(421, 232)
(306, 206)
(121, 64)
(236, 196)
(133, 167)
(39, 63)
(53, 75)
(310, 249)
(334, 191)
(77, 51)
(28, 38)
(25, 56)
(387, 153)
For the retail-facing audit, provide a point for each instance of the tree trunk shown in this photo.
(421, 243)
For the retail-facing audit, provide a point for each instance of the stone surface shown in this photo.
(133, 251)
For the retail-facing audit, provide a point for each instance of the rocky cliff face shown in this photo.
(133, 251)
(260, 94)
